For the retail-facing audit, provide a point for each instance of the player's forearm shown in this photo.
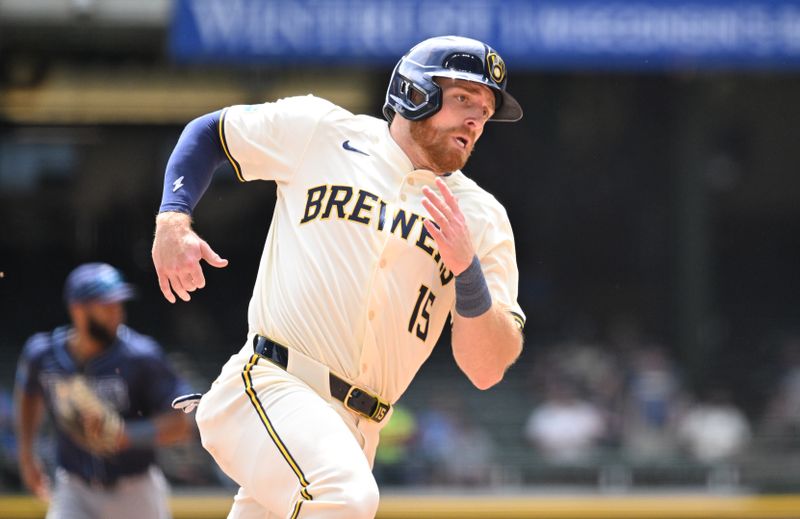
(192, 163)
(172, 428)
(172, 228)
(171, 223)
(164, 429)
(485, 346)
(28, 416)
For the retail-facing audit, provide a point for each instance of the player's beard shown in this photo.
(437, 145)
(101, 333)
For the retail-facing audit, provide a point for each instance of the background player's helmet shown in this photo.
(98, 282)
(415, 95)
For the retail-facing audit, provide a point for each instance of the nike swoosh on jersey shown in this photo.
(346, 145)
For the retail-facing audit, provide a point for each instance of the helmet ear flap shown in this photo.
(413, 98)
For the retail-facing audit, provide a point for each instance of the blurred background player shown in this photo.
(131, 377)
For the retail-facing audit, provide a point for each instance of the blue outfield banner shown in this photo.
(556, 34)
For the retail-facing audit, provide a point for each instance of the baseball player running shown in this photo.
(377, 236)
(108, 391)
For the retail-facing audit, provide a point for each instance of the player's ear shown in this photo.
(77, 314)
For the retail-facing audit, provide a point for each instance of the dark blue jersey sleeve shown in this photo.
(30, 362)
(164, 384)
(153, 382)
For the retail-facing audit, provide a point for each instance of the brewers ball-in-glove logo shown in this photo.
(497, 67)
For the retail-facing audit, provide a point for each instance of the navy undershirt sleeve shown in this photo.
(191, 166)
(29, 365)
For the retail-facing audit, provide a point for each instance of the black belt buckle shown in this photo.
(365, 404)
(97, 483)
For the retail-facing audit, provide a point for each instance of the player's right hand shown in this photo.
(34, 477)
(177, 251)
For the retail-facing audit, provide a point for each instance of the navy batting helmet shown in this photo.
(446, 56)
(98, 282)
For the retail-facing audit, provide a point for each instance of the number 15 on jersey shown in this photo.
(420, 316)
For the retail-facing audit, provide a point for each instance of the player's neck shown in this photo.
(82, 346)
(402, 136)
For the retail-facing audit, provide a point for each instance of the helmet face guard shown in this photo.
(414, 94)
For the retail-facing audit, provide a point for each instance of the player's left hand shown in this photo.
(177, 253)
(34, 477)
(450, 229)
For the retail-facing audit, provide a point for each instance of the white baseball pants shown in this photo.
(142, 496)
(294, 453)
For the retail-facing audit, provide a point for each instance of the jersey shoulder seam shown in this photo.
(332, 108)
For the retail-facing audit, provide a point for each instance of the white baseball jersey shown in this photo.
(349, 275)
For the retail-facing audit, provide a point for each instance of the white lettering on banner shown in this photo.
(260, 31)
(295, 24)
(550, 31)
(790, 29)
(270, 28)
(218, 23)
(338, 22)
(474, 17)
(636, 29)
(383, 27)
(237, 25)
(517, 29)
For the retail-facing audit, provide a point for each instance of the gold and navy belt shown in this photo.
(354, 398)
